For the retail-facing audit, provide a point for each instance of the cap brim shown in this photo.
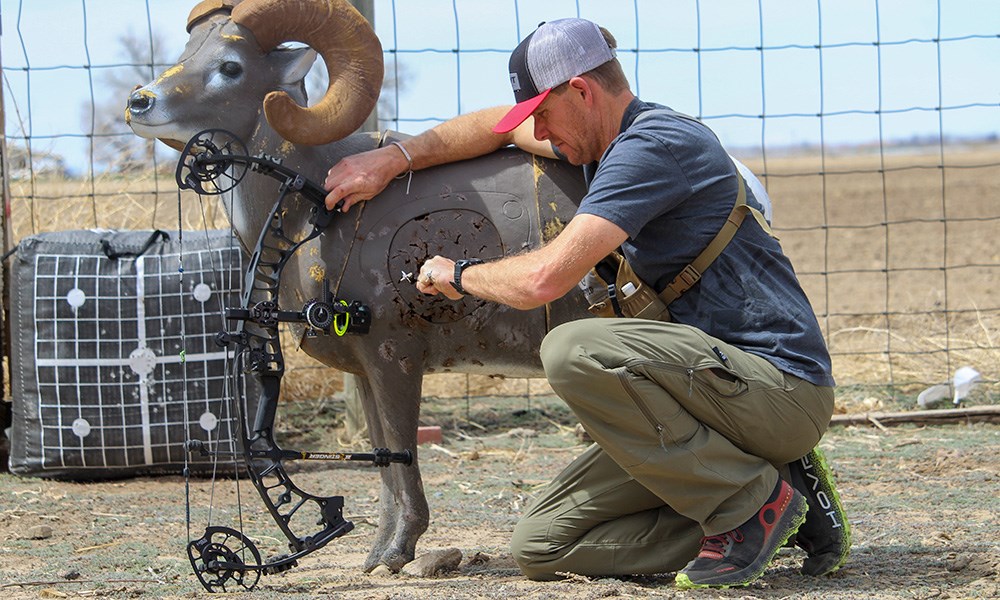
(520, 112)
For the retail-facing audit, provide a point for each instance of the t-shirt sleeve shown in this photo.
(638, 180)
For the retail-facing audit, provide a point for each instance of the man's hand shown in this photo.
(436, 276)
(363, 176)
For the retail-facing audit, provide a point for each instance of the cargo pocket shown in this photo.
(707, 391)
(720, 381)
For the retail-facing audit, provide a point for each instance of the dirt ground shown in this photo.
(923, 503)
(897, 274)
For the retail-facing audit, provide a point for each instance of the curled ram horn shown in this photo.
(349, 47)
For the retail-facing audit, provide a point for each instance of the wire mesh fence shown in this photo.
(873, 124)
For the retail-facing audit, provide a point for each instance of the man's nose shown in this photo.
(541, 132)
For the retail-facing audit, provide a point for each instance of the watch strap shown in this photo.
(460, 266)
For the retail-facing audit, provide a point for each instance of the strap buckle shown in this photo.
(686, 279)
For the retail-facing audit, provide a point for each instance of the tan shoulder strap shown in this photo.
(690, 274)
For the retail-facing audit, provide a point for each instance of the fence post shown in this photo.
(355, 426)
(367, 10)
(5, 242)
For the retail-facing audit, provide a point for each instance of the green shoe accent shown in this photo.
(683, 582)
(826, 534)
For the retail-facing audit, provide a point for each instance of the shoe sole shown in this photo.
(829, 562)
(798, 517)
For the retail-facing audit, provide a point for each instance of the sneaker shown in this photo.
(740, 556)
(826, 534)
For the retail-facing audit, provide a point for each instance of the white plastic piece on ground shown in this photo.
(965, 379)
(962, 383)
(934, 395)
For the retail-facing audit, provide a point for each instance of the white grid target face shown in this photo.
(127, 367)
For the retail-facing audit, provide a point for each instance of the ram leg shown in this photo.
(392, 407)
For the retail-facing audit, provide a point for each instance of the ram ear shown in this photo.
(294, 64)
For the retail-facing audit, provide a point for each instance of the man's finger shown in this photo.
(333, 198)
(342, 192)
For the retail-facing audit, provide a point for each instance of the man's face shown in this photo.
(562, 120)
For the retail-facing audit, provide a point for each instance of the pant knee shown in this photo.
(561, 352)
(557, 344)
(528, 547)
(519, 547)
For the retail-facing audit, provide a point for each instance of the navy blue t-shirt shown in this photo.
(669, 184)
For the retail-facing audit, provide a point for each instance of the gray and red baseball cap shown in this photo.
(551, 55)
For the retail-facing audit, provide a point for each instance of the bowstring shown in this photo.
(350, 250)
(184, 379)
(234, 394)
(232, 390)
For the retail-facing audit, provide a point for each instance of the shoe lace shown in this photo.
(714, 546)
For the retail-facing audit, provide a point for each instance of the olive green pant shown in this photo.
(689, 433)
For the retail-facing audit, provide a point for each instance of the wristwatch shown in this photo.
(460, 265)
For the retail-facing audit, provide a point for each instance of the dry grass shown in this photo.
(898, 255)
(144, 200)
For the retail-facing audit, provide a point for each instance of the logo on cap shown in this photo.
(515, 82)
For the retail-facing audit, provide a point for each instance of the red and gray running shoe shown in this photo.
(739, 557)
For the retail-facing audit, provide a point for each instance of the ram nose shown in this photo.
(140, 101)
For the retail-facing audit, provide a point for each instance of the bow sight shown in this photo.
(212, 163)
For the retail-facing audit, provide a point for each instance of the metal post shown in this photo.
(367, 10)
(5, 243)
(355, 426)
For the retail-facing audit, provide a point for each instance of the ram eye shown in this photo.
(231, 69)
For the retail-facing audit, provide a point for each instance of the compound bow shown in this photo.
(214, 162)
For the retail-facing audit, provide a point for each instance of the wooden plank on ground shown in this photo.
(971, 414)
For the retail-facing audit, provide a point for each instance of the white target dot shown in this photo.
(81, 428)
(142, 361)
(76, 297)
(208, 421)
(202, 292)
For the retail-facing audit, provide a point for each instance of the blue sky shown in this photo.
(730, 82)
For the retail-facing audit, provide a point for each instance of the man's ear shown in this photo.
(582, 87)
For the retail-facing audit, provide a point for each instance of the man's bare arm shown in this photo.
(363, 176)
(530, 280)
